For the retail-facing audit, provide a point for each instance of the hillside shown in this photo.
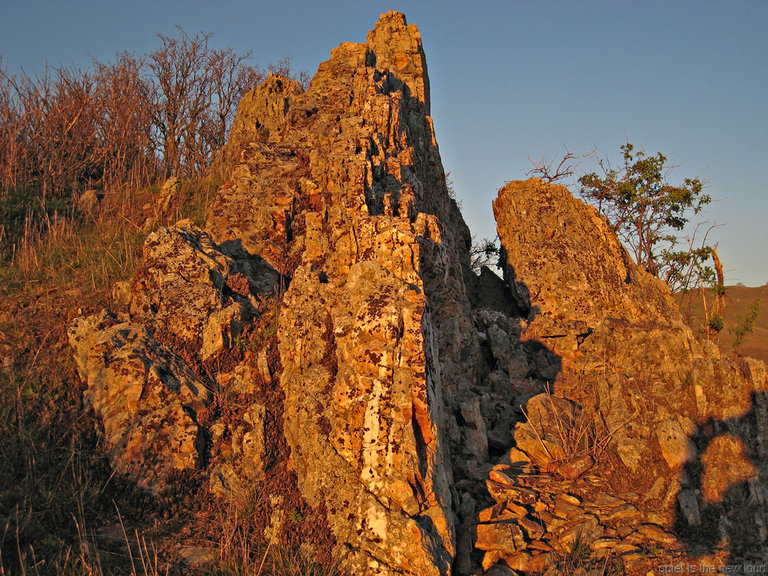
(738, 302)
(290, 368)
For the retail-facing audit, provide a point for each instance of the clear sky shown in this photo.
(510, 79)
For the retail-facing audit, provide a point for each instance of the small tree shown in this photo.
(483, 253)
(646, 211)
(746, 325)
(182, 96)
(231, 76)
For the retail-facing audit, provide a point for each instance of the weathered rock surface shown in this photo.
(189, 289)
(570, 262)
(635, 393)
(324, 343)
(348, 198)
(145, 396)
(261, 112)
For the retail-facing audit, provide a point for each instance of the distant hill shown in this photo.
(738, 301)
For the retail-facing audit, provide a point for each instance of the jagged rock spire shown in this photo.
(397, 46)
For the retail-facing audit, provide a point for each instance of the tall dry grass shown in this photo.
(59, 498)
(55, 483)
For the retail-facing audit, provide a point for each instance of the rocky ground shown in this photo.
(320, 356)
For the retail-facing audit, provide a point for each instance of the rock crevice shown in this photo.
(324, 340)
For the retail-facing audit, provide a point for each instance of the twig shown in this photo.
(536, 432)
(264, 559)
(125, 535)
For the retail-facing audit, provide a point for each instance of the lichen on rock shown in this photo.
(323, 341)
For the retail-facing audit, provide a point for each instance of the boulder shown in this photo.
(659, 407)
(145, 396)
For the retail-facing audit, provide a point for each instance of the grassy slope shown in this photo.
(56, 487)
(738, 301)
(62, 509)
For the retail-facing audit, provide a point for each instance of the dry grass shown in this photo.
(74, 251)
(576, 434)
(241, 551)
(577, 561)
(59, 498)
(55, 482)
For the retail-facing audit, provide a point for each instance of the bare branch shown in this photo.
(547, 171)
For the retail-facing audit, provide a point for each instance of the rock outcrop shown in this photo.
(676, 428)
(339, 193)
(323, 342)
(346, 197)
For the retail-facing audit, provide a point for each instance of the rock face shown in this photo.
(148, 372)
(323, 343)
(635, 391)
(144, 396)
(338, 203)
(619, 334)
(346, 196)
(573, 267)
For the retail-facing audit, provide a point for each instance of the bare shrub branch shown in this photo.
(566, 167)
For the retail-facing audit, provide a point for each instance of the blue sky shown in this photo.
(509, 80)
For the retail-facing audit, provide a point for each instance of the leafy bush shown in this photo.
(746, 324)
(647, 212)
(716, 323)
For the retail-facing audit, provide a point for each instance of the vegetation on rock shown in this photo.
(647, 212)
(308, 379)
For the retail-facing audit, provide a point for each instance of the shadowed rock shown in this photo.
(381, 386)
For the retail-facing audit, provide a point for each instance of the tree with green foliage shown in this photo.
(746, 325)
(647, 212)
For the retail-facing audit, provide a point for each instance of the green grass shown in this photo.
(197, 196)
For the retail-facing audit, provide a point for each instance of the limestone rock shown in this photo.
(261, 112)
(168, 197)
(572, 263)
(584, 529)
(499, 532)
(338, 202)
(611, 323)
(667, 406)
(346, 199)
(725, 464)
(689, 506)
(676, 447)
(475, 432)
(145, 396)
(397, 47)
(189, 289)
(542, 436)
(331, 294)
(359, 398)
(147, 376)
(168, 194)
